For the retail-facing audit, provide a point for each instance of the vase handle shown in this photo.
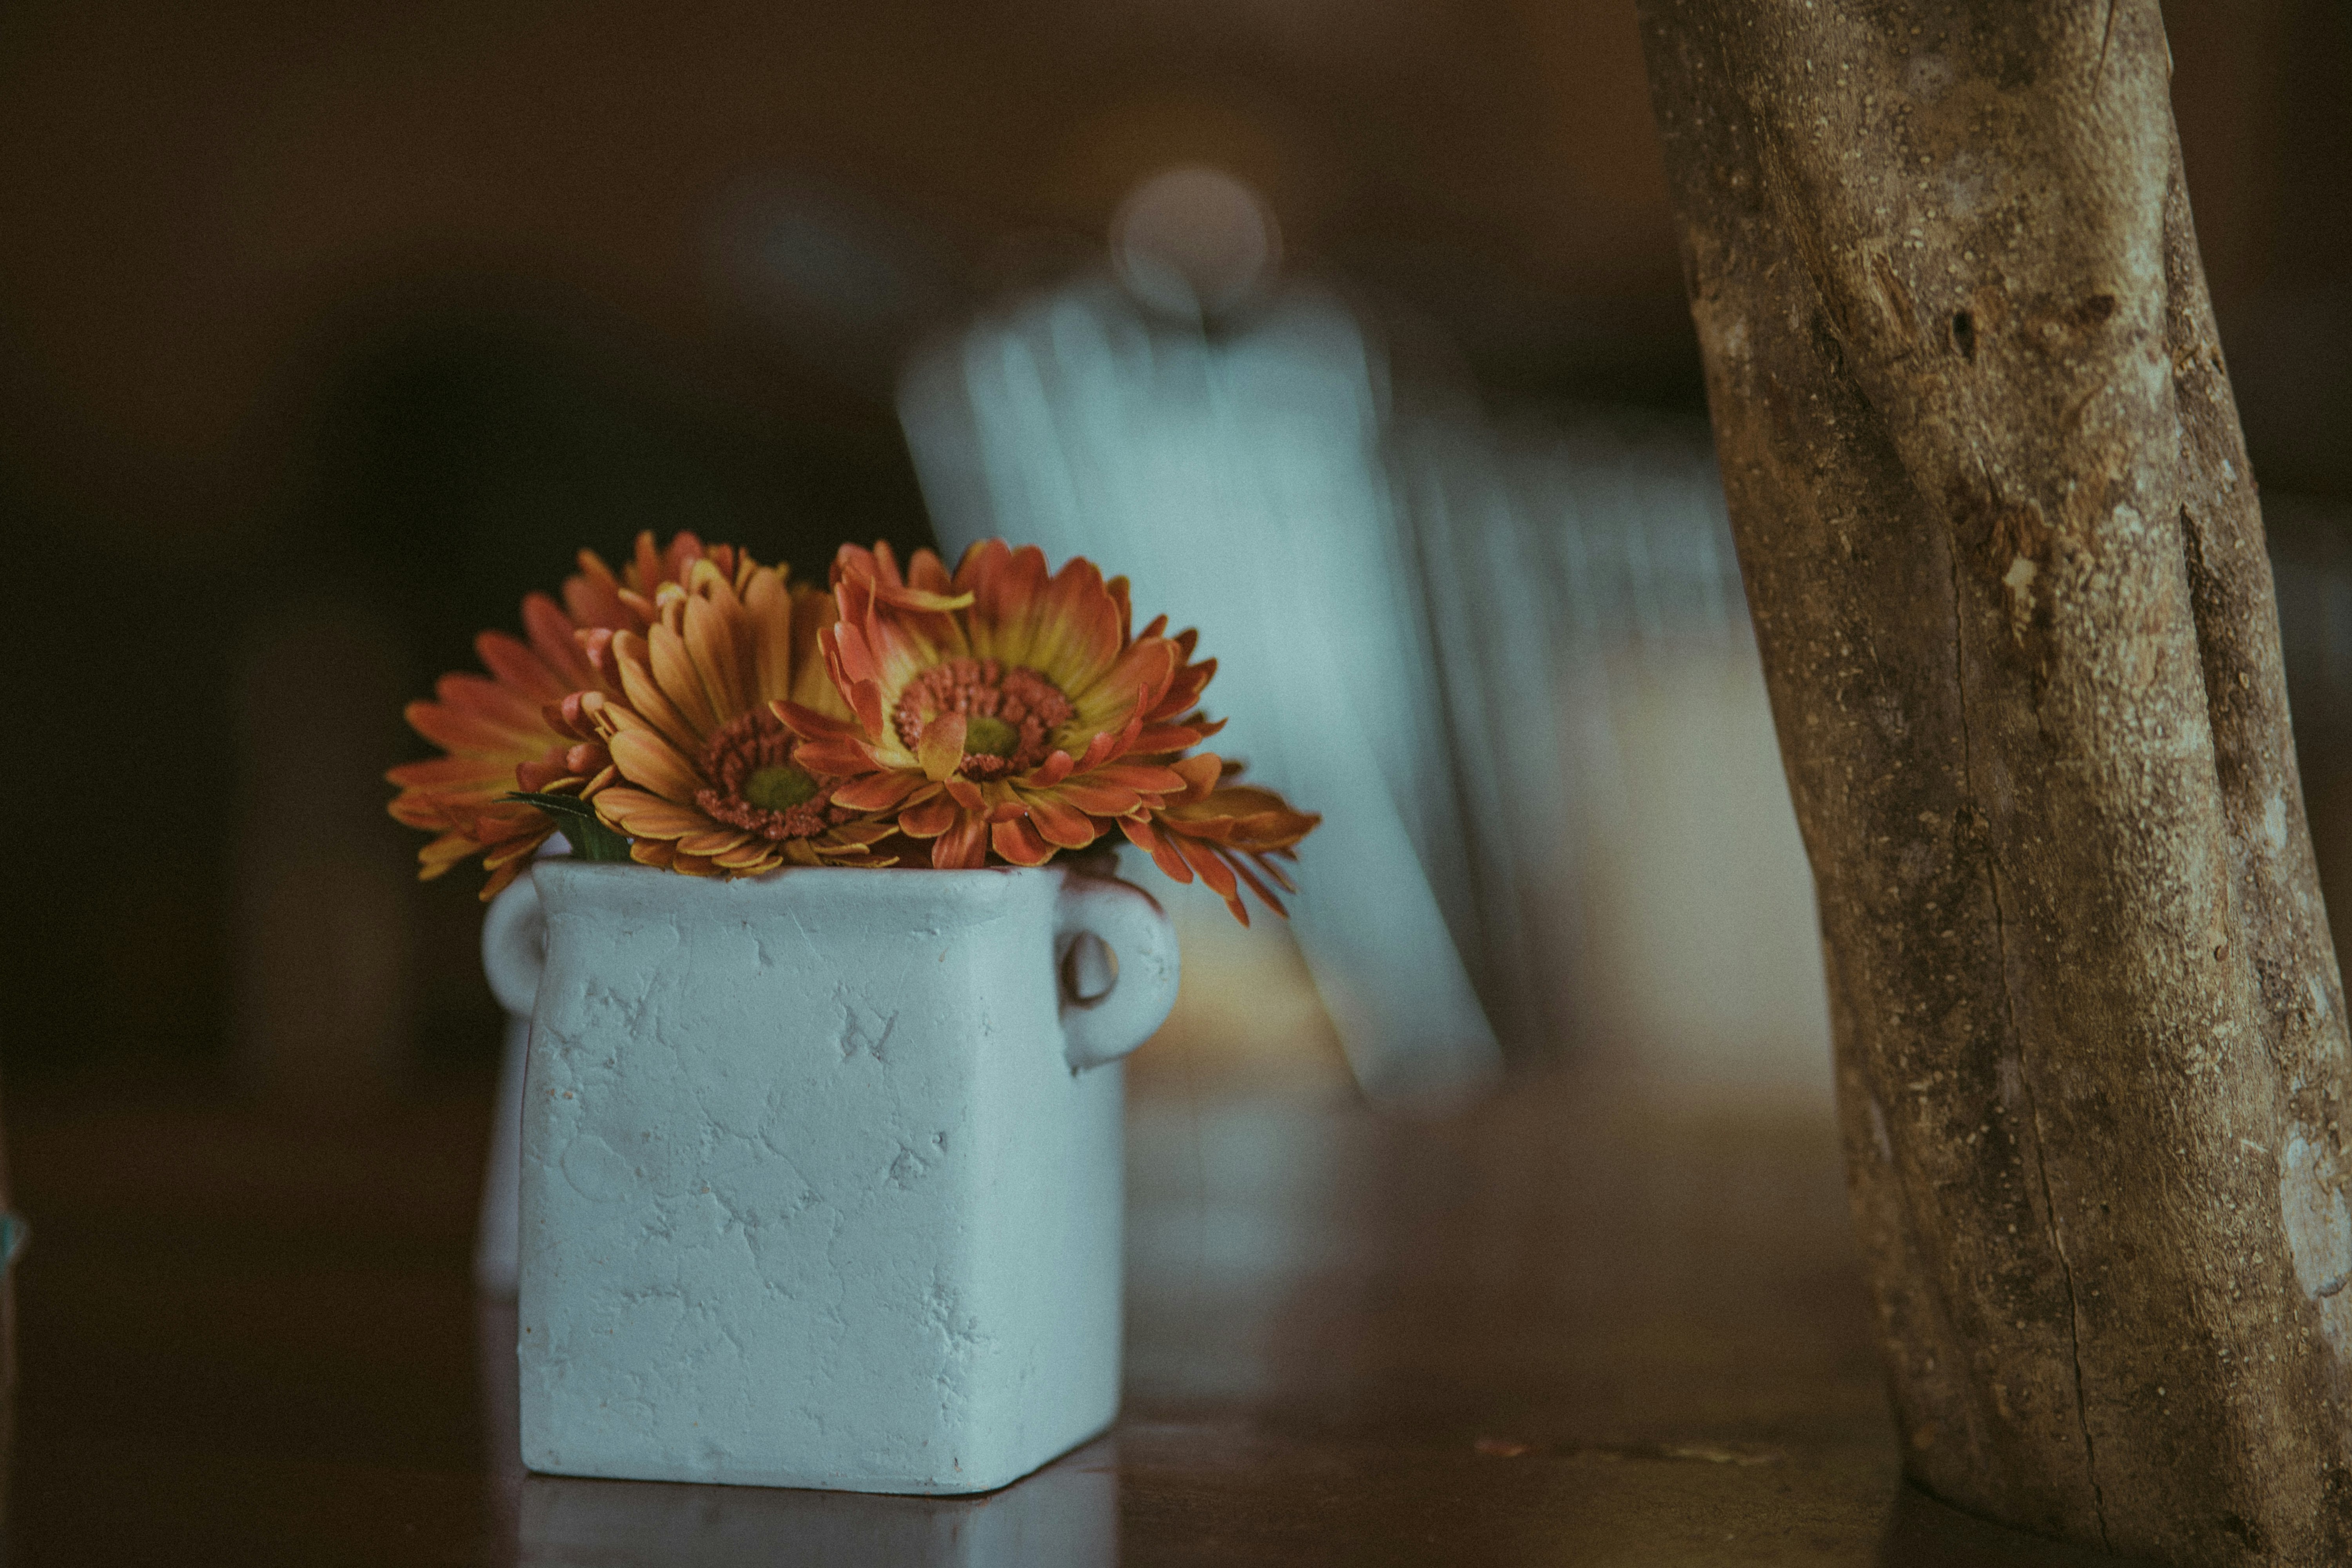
(514, 945)
(1106, 1025)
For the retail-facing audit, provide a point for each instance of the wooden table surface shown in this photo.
(1570, 1325)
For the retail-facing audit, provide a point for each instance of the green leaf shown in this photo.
(577, 820)
(592, 840)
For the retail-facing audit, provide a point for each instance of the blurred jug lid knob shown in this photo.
(1195, 243)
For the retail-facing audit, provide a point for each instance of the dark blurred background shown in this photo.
(326, 330)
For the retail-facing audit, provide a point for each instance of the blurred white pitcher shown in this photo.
(1239, 479)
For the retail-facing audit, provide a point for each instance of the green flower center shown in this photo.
(779, 787)
(986, 735)
(1011, 714)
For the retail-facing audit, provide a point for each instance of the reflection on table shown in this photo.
(1065, 1516)
(1585, 1322)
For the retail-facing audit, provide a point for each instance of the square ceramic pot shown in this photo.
(821, 1178)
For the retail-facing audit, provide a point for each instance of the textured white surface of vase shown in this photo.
(821, 1175)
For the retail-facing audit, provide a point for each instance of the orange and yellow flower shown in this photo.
(499, 738)
(1002, 709)
(1228, 833)
(712, 782)
(507, 731)
(725, 723)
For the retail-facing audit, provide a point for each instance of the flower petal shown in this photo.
(555, 639)
(645, 694)
(1060, 823)
(964, 846)
(1163, 853)
(710, 642)
(452, 772)
(674, 668)
(516, 667)
(810, 724)
(1018, 842)
(1210, 864)
(942, 748)
(1141, 777)
(767, 607)
(638, 815)
(755, 855)
(646, 760)
(1265, 893)
(929, 819)
(1099, 799)
(873, 792)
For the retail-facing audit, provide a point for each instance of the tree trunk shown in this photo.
(2006, 565)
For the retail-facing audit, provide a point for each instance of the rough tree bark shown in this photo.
(2006, 564)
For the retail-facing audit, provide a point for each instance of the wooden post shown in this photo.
(2006, 565)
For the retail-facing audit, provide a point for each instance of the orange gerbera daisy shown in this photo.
(1228, 833)
(508, 732)
(1003, 708)
(712, 782)
(500, 738)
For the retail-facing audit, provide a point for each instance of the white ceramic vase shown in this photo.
(820, 1171)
